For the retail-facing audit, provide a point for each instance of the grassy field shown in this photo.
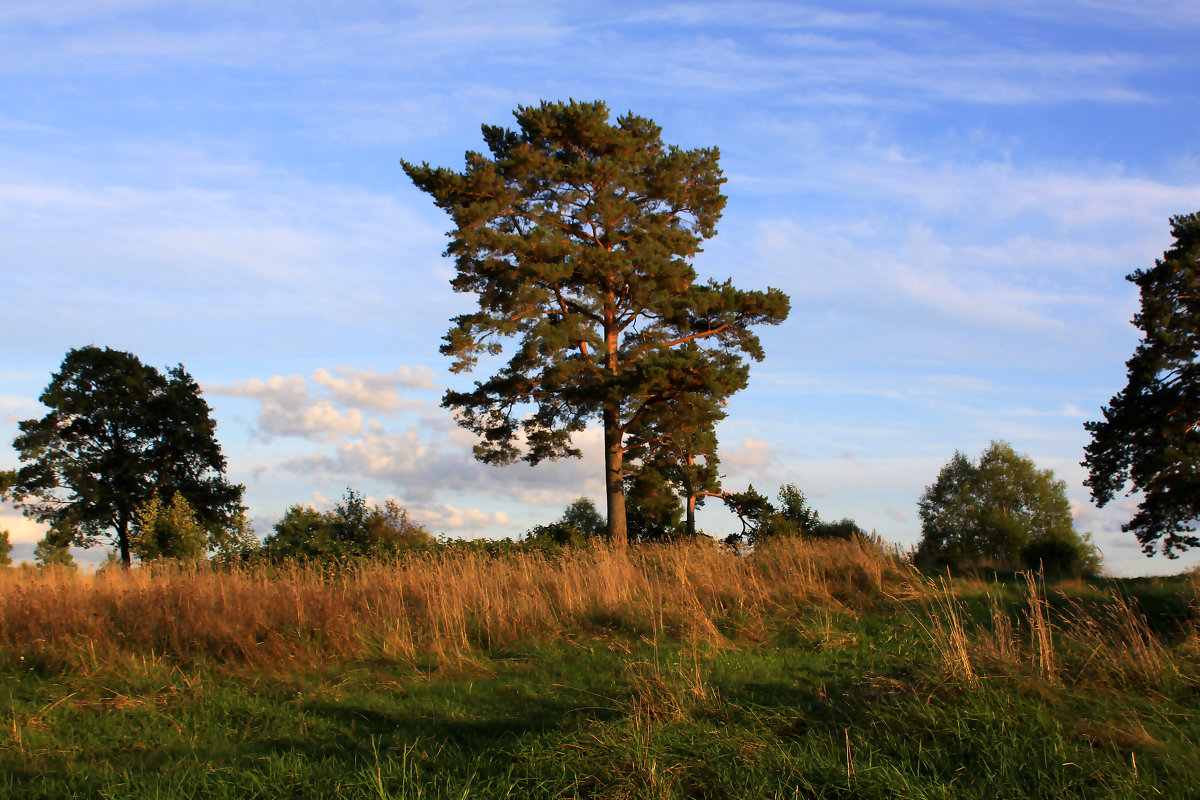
(806, 670)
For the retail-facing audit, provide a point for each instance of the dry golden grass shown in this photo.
(439, 607)
(1123, 647)
(947, 632)
(1108, 642)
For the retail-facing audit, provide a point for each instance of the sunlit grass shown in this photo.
(806, 670)
(429, 606)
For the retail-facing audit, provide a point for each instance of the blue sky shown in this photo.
(950, 192)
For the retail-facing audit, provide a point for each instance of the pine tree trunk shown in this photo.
(123, 542)
(614, 455)
(614, 480)
(690, 460)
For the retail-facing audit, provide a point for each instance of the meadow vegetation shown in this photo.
(808, 668)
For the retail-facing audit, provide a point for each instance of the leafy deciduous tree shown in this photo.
(582, 516)
(5, 548)
(1149, 438)
(576, 235)
(579, 523)
(117, 432)
(1004, 511)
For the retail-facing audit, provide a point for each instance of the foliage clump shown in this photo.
(47, 553)
(173, 530)
(579, 524)
(762, 520)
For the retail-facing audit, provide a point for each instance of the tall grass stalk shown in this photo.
(1041, 634)
(948, 633)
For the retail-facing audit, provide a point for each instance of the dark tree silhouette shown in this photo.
(118, 431)
(1149, 438)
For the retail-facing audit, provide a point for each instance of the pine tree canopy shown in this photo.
(576, 235)
(1149, 439)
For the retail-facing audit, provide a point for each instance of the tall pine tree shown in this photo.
(576, 236)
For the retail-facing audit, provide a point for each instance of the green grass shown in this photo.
(832, 705)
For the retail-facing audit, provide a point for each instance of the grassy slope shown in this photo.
(824, 698)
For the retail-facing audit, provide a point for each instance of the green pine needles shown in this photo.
(576, 235)
(1149, 438)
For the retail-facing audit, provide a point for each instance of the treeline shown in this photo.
(997, 511)
(355, 529)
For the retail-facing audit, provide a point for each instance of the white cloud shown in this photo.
(442, 516)
(287, 409)
(420, 464)
(139, 36)
(14, 408)
(804, 54)
(976, 181)
(373, 391)
(753, 458)
(978, 251)
(20, 528)
(1118, 14)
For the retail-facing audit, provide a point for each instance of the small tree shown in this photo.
(582, 516)
(47, 553)
(580, 523)
(168, 530)
(576, 236)
(302, 531)
(5, 548)
(117, 432)
(674, 447)
(1149, 438)
(761, 520)
(844, 528)
(653, 509)
(1002, 511)
(235, 541)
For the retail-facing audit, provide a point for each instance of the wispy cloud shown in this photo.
(143, 36)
